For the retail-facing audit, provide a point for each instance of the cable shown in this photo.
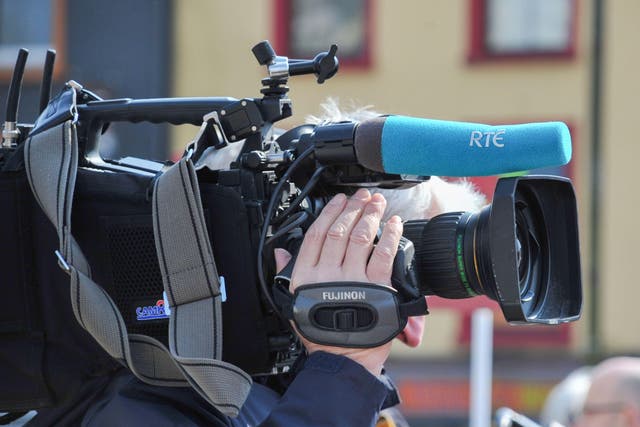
(294, 221)
(303, 194)
(267, 222)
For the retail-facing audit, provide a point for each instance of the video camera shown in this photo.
(522, 250)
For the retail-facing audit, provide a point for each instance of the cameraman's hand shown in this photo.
(339, 247)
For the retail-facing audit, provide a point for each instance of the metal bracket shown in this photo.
(10, 133)
(212, 116)
(63, 263)
(74, 108)
(279, 68)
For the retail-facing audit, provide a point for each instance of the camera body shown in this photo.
(267, 197)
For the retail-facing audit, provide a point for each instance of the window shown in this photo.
(36, 25)
(507, 29)
(306, 27)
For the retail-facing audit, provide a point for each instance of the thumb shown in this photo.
(282, 258)
(413, 332)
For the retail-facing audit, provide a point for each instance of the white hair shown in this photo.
(332, 113)
(431, 198)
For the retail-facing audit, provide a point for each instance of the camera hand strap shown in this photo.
(191, 283)
(346, 314)
(51, 160)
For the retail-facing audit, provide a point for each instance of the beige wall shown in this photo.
(620, 236)
(420, 68)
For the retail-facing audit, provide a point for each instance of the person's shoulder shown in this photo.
(127, 401)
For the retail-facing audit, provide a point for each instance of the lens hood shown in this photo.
(534, 249)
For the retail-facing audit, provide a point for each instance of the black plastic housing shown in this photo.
(560, 297)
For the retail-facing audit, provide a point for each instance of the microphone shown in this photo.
(414, 146)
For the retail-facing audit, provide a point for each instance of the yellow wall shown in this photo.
(419, 65)
(420, 68)
(620, 284)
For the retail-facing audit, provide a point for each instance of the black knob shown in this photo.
(326, 64)
(254, 159)
(264, 53)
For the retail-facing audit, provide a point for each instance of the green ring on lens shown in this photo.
(460, 262)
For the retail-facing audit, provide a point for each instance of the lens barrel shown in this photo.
(521, 251)
(439, 255)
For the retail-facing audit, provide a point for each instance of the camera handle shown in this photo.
(97, 113)
(237, 118)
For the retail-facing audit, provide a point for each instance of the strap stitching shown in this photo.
(35, 193)
(232, 369)
(156, 221)
(202, 255)
(175, 328)
(78, 299)
(184, 270)
(138, 341)
(193, 223)
(69, 200)
(117, 320)
(68, 205)
(58, 185)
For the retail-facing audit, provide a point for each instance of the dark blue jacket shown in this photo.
(329, 390)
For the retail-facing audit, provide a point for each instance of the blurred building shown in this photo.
(117, 49)
(493, 61)
(472, 60)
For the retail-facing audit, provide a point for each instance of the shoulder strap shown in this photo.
(51, 159)
(192, 285)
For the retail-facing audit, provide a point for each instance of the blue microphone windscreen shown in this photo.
(417, 146)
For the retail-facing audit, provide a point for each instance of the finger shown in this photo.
(363, 235)
(335, 244)
(381, 261)
(315, 235)
(282, 258)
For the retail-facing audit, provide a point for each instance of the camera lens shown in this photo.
(453, 254)
(505, 251)
(522, 257)
(449, 253)
(530, 239)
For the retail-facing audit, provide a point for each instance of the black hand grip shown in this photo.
(176, 111)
